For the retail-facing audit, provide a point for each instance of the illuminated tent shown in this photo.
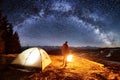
(33, 58)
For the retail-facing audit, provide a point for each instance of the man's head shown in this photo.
(66, 42)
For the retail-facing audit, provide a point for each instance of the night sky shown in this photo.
(52, 22)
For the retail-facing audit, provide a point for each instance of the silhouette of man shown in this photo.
(65, 52)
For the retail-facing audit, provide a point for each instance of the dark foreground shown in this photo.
(79, 69)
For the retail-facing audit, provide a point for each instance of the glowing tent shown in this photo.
(34, 58)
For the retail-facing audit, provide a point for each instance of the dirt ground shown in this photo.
(79, 68)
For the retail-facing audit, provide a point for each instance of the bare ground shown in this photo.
(79, 69)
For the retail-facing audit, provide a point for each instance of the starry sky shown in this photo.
(52, 22)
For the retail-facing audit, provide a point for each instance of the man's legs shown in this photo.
(65, 60)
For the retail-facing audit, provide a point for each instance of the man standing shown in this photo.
(65, 52)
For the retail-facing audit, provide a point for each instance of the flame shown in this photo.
(69, 58)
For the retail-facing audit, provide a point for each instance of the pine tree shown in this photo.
(3, 32)
(9, 41)
(13, 43)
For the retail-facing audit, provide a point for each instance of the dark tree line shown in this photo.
(9, 40)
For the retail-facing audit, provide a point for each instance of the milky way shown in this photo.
(51, 22)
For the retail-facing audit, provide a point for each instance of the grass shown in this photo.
(79, 69)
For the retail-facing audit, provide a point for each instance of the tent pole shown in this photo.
(27, 57)
(41, 59)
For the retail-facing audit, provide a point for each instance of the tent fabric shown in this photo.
(33, 57)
